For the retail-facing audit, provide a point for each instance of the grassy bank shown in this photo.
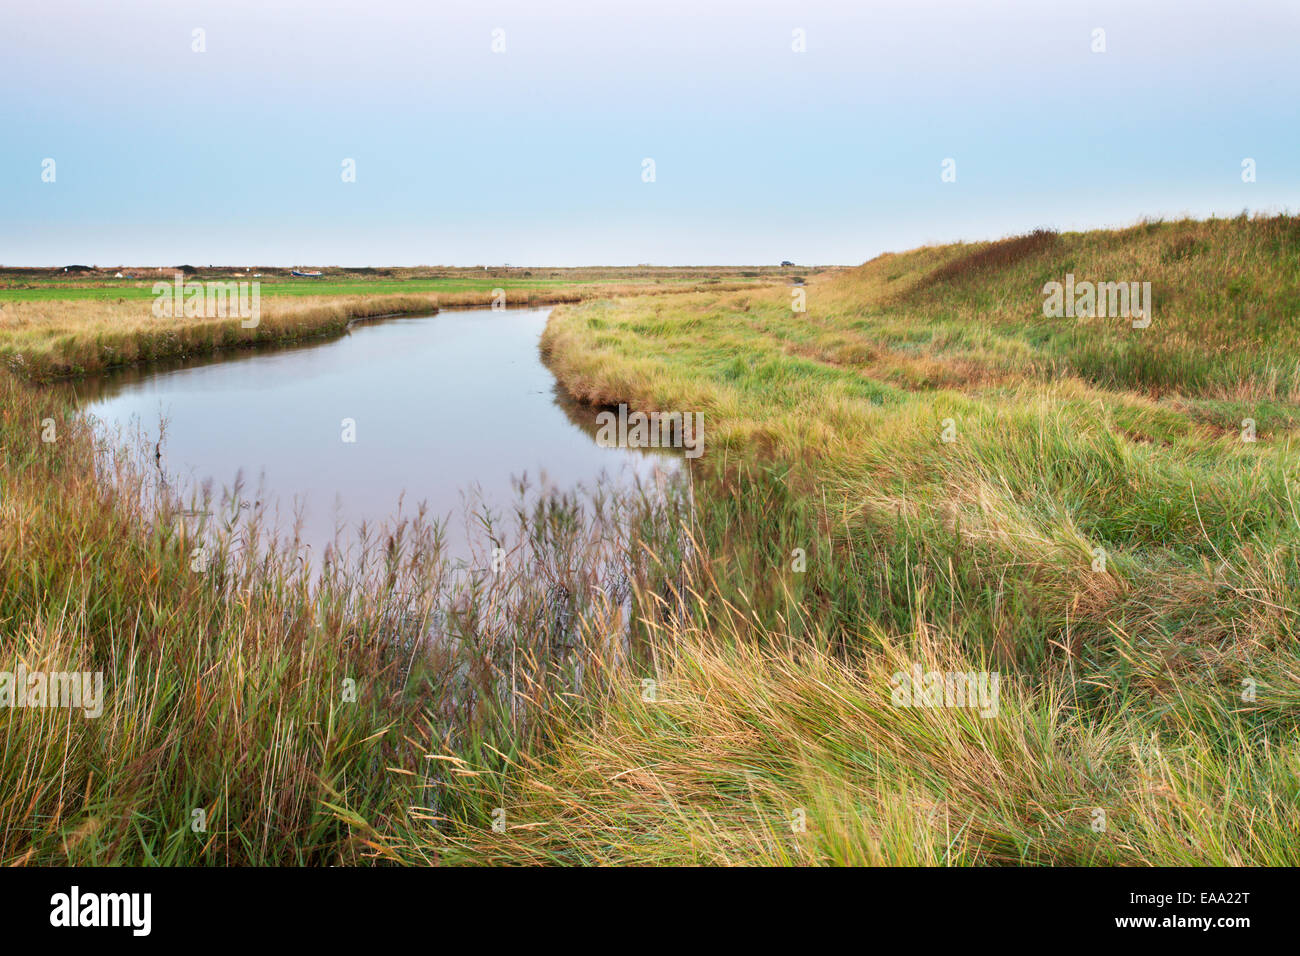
(1148, 704)
(259, 712)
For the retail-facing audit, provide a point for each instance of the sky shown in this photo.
(533, 153)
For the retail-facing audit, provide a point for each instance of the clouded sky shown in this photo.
(535, 154)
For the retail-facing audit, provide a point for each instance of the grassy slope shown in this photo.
(1122, 690)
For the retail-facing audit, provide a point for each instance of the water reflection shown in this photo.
(421, 409)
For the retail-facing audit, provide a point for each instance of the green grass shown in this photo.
(1121, 689)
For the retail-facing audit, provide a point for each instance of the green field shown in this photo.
(17, 285)
(307, 287)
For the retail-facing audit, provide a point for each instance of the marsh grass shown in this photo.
(1123, 691)
(295, 706)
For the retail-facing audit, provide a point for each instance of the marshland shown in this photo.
(921, 469)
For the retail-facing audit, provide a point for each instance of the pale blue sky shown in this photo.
(534, 155)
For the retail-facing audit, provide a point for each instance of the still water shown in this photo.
(445, 409)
